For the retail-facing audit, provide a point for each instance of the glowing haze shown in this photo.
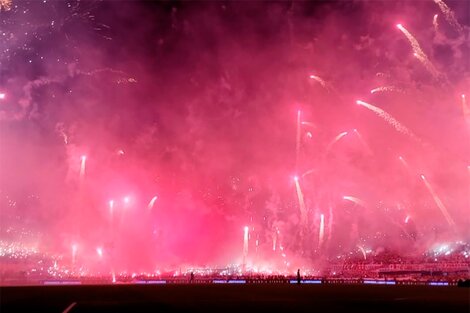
(140, 135)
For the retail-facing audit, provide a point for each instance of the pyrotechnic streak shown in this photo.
(152, 202)
(82, 167)
(407, 219)
(438, 201)
(99, 250)
(309, 124)
(364, 254)
(389, 119)
(246, 238)
(335, 140)
(418, 52)
(385, 89)
(111, 207)
(363, 142)
(330, 222)
(322, 230)
(449, 15)
(74, 253)
(5, 5)
(309, 172)
(466, 112)
(355, 200)
(403, 161)
(435, 23)
(297, 141)
(319, 79)
(300, 196)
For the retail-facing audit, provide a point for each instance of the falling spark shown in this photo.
(82, 167)
(309, 124)
(309, 172)
(363, 252)
(111, 207)
(418, 52)
(355, 200)
(246, 232)
(438, 201)
(74, 252)
(363, 142)
(435, 23)
(449, 15)
(407, 219)
(300, 196)
(99, 250)
(389, 119)
(320, 80)
(385, 89)
(152, 202)
(335, 140)
(297, 141)
(5, 5)
(322, 230)
(404, 163)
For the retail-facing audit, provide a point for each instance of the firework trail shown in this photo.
(389, 119)
(404, 163)
(322, 230)
(245, 244)
(330, 222)
(363, 142)
(418, 52)
(466, 112)
(435, 23)
(74, 253)
(385, 89)
(449, 16)
(309, 172)
(355, 200)
(82, 167)
(319, 80)
(300, 196)
(335, 140)
(363, 251)
(152, 202)
(5, 5)
(111, 208)
(297, 141)
(438, 201)
(309, 124)
(99, 251)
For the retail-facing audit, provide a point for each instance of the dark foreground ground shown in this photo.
(235, 298)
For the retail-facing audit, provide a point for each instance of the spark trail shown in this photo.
(418, 52)
(449, 16)
(355, 200)
(335, 140)
(322, 231)
(363, 142)
(152, 202)
(82, 167)
(300, 196)
(435, 23)
(389, 119)
(385, 89)
(438, 201)
(246, 237)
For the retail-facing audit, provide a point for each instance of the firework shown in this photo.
(404, 163)
(321, 231)
(355, 200)
(319, 80)
(435, 23)
(438, 201)
(111, 208)
(389, 119)
(82, 167)
(99, 251)
(363, 251)
(407, 219)
(246, 237)
(300, 197)
(363, 142)
(418, 52)
(5, 5)
(152, 202)
(74, 252)
(385, 89)
(335, 140)
(449, 15)
(310, 124)
(297, 141)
